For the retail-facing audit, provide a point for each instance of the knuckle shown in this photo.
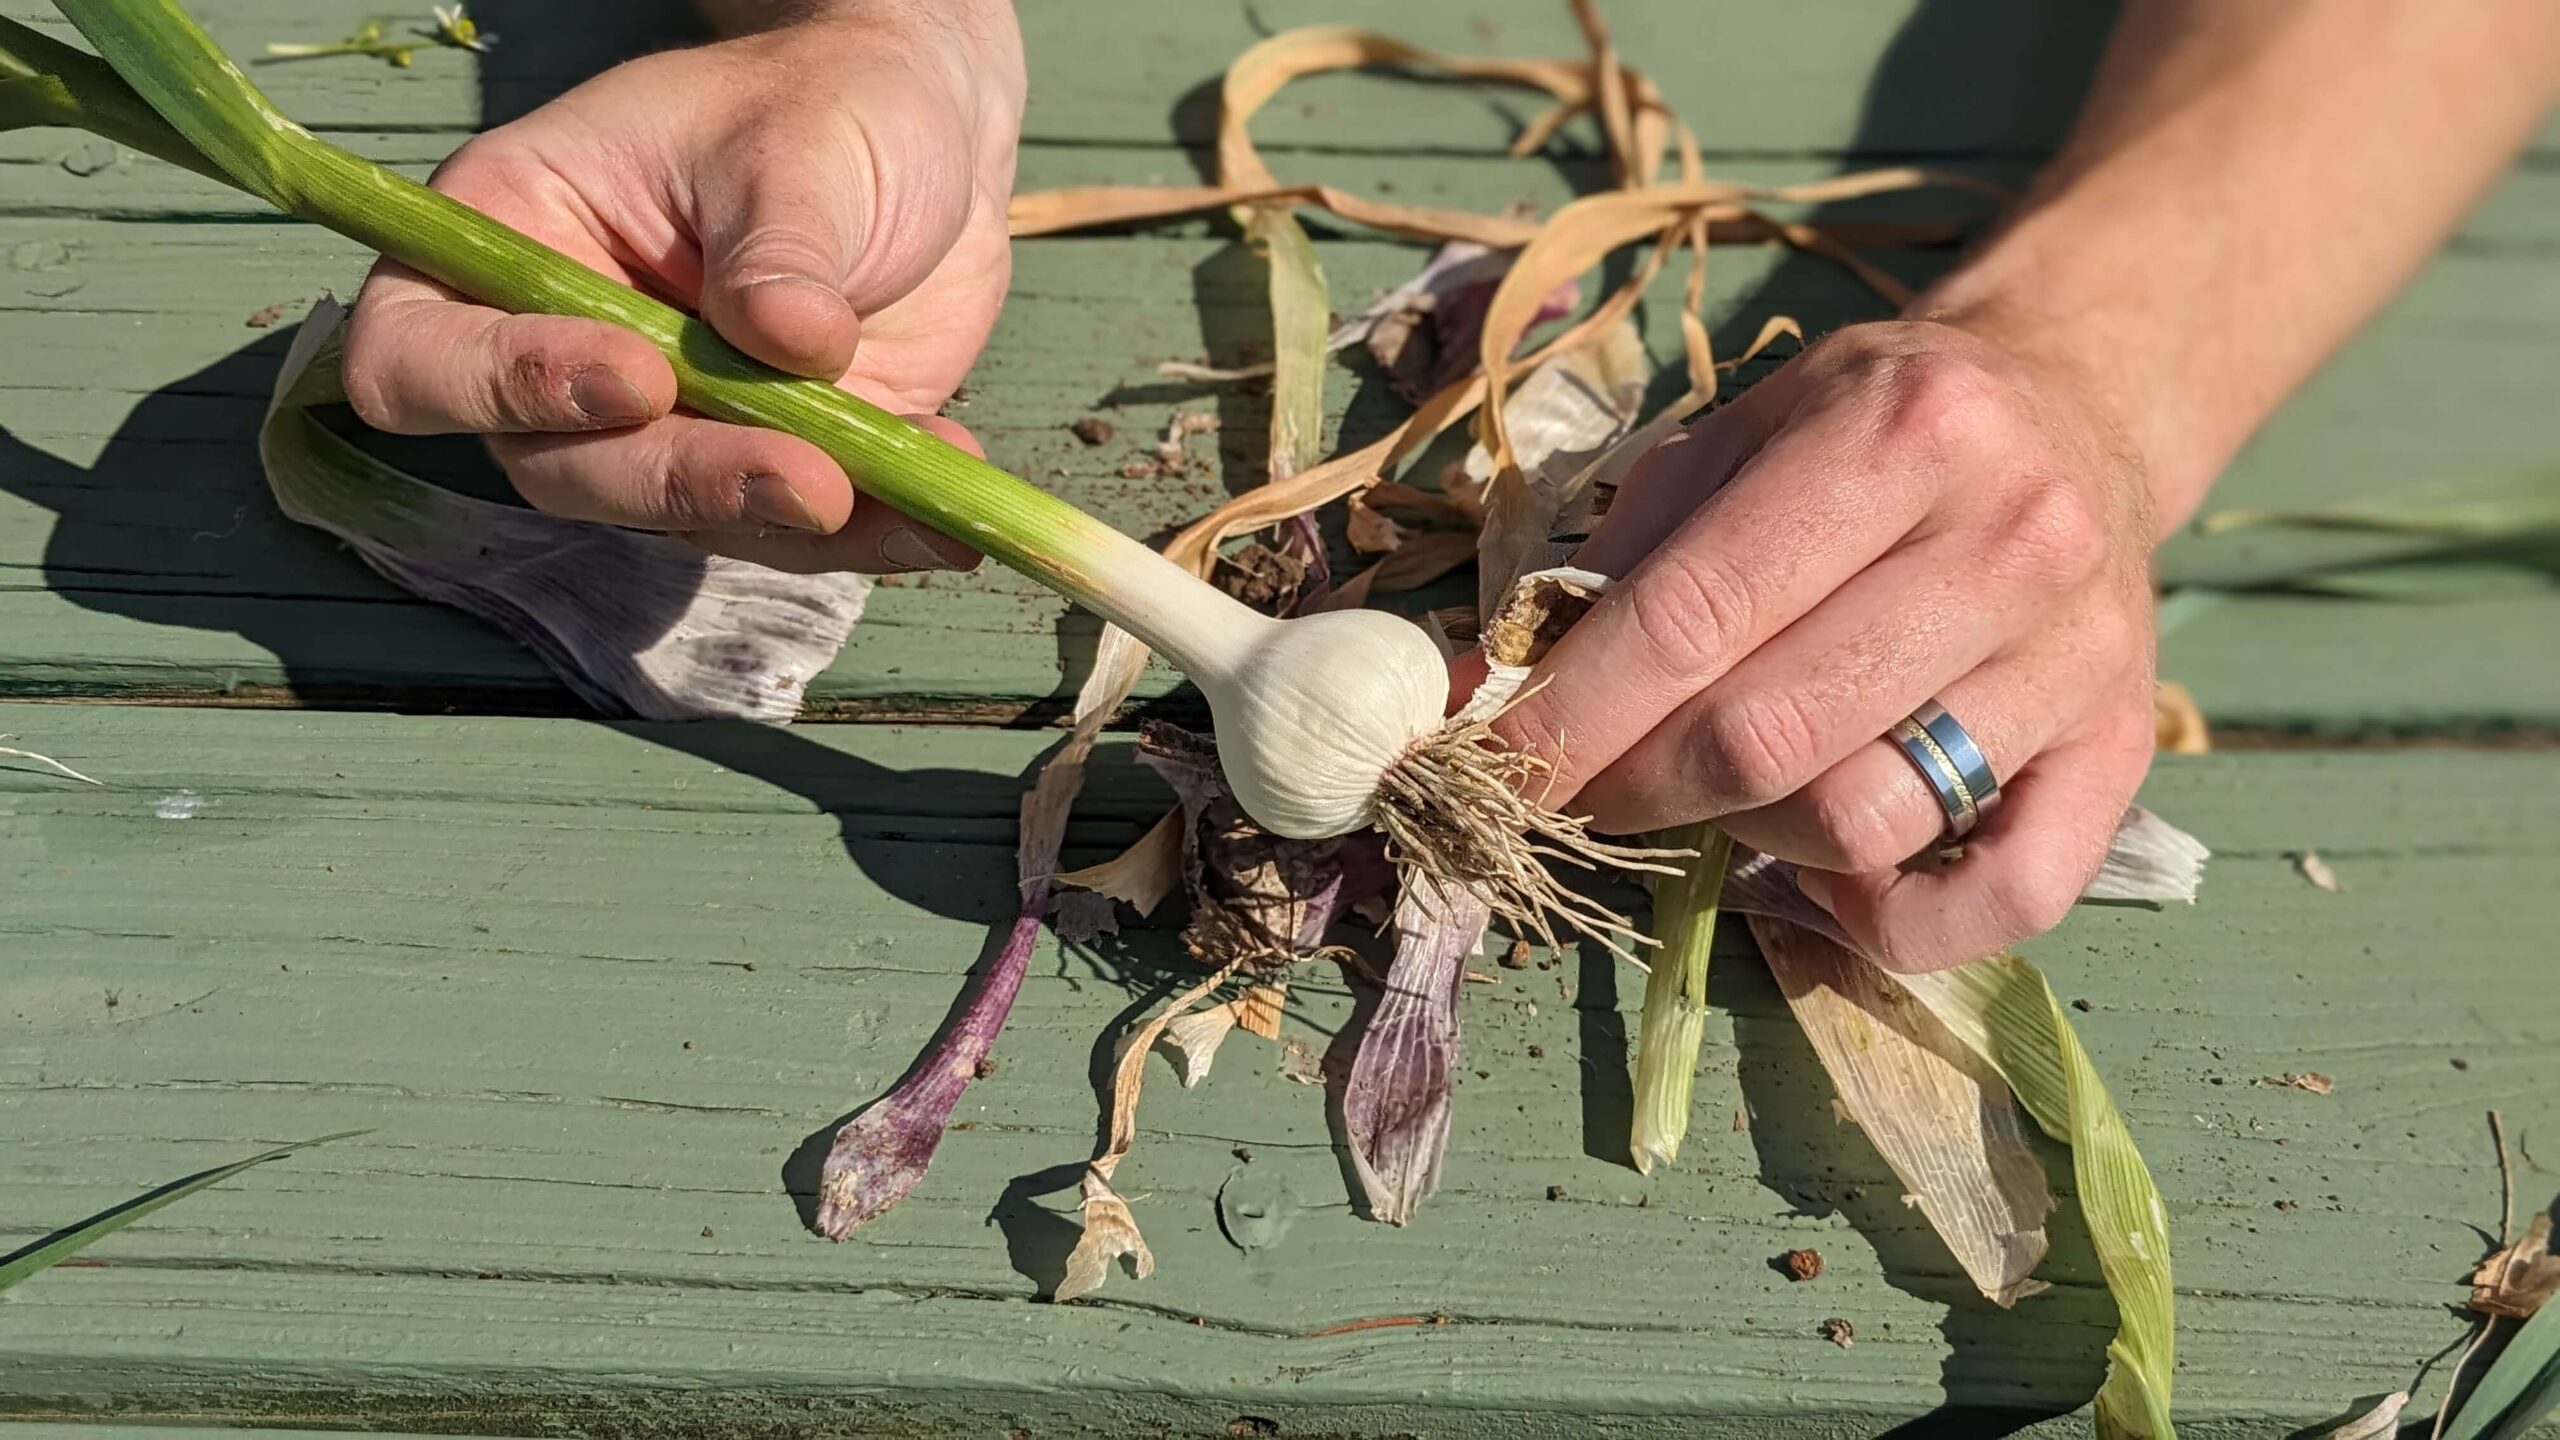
(684, 499)
(1689, 609)
(1860, 836)
(368, 386)
(1936, 403)
(2029, 900)
(491, 165)
(1541, 736)
(1759, 748)
(527, 388)
(2051, 535)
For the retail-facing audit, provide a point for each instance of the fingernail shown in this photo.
(1816, 885)
(606, 396)
(771, 499)
(906, 548)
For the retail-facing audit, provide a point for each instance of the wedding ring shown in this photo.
(1951, 763)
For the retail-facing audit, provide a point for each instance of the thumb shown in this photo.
(777, 260)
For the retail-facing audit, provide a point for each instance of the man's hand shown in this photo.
(1963, 504)
(1906, 511)
(829, 194)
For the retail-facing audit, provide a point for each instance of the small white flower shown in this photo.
(455, 28)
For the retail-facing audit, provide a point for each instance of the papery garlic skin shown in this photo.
(1313, 712)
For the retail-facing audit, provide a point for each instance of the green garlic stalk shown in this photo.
(1675, 994)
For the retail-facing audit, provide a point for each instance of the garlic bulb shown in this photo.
(1313, 712)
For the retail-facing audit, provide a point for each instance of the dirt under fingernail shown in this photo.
(774, 500)
(603, 395)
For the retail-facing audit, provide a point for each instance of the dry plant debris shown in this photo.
(1839, 1332)
(1802, 1265)
(2520, 1278)
(2181, 729)
(1456, 336)
(2311, 867)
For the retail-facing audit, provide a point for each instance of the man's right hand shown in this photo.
(829, 194)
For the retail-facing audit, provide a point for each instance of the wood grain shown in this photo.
(595, 988)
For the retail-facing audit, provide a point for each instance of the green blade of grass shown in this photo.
(63, 1244)
(2518, 1391)
(2523, 502)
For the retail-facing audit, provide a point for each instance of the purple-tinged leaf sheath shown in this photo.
(881, 1153)
(1395, 1110)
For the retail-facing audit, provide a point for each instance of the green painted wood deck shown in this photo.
(130, 368)
(601, 991)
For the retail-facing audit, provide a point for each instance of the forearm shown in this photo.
(2249, 182)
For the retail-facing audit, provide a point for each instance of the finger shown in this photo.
(683, 473)
(2022, 871)
(1816, 505)
(878, 540)
(780, 243)
(1670, 481)
(422, 361)
(1873, 811)
(1870, 654)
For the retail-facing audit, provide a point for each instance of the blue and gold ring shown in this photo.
(1951, 763)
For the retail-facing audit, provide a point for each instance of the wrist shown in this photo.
(2149, 366)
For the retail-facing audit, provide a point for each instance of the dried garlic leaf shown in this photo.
(2179, 721)
(1575, 409)
(2375, 1417)
(1142, 875)
(1418, 561)
(1301, 315)
(2149, 862)
(1110, 1232)
(2310, 1080)
(1259, 1008)
(56, 766)
(1939, 1113)
(1257, 899)
(1194, 1040)
(1395, 1108)
(2520, 1279)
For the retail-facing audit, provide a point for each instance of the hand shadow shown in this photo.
(2004, 1369)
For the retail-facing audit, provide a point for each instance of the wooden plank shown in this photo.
(138, 555)
(1856, 76)
(520, 951)
(132, 364)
